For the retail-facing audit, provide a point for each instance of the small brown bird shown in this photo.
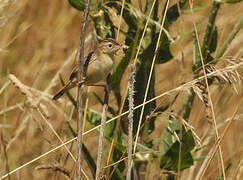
(100, 64)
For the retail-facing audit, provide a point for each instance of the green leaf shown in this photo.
(163, 54)
(93, 118)
(212, 45)
(187, 107)
(77, 4)
(213, 41)
(169, 160)
(89, 159)
(116, 157)
(169, 135)
(128, 16)
(209, 31)
(110, 30)
(196, 55)
(173, 12)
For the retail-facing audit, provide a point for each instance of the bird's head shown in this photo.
(110, 46)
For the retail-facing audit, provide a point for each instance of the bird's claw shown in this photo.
(82, 81)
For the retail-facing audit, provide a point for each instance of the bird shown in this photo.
(99, 63)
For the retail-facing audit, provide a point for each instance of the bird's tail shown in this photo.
(59, 94)
(63, 90)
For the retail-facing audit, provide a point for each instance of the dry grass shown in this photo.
(38, 41)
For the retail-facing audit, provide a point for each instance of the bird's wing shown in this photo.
(88, 60)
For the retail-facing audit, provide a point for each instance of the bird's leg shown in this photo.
(82, 81)
(108, 83)
(107, 89)
(106, 86)
(97, 85)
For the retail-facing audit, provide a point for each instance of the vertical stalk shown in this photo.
(130, 120)
(80, 76)
(102, 132)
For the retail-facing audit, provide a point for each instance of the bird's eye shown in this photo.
(109, 45)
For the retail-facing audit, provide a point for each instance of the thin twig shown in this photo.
(80, 76)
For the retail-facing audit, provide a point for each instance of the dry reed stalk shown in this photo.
(35, 107)
(31, 102)
(4, 86)
(215, 148)
(238, 170)
(101, 137)
(203, 54)
(130, 120)
(24, 90)
(10, 108)
(79, 98)
(100, 146)
(19, 130)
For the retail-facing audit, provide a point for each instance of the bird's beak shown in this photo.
(125, 48)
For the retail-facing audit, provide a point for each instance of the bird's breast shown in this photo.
(99, 69)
